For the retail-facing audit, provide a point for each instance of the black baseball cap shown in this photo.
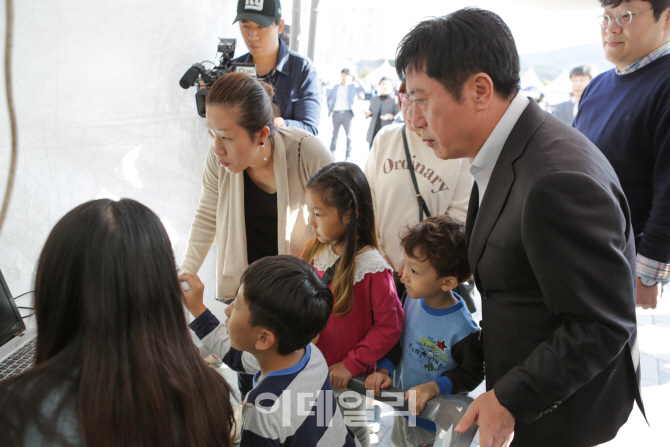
(263, 12)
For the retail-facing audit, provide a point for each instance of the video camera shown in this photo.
(203, 78)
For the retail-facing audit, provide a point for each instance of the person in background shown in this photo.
(439, 352)
(444, 186)
(383, 109)
(626, 113)
(253, 186)
(549, 238)
(115, 364)
(367, 316)
(579, 77)
(285, 35)
(292, 75)
(340, 107)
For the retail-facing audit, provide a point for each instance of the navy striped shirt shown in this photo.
(289, 407)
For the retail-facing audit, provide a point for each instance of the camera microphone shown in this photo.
(191, 75)
(197, 75)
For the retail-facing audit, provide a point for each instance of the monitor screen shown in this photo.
(10, 318)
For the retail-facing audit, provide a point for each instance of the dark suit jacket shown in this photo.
(552, 253)
(379, 107)
(565, 112)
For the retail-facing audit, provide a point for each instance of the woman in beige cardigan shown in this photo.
(250, 159)
(253, 186)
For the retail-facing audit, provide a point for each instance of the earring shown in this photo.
(265, 158)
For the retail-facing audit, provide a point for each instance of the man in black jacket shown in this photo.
(549, 237)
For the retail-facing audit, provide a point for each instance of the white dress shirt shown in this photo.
(485, 161)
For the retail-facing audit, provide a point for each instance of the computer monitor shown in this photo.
(11, 322)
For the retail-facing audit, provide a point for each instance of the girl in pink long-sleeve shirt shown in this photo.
(367, 316)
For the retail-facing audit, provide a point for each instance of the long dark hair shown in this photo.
(112, 340)
(344, 186)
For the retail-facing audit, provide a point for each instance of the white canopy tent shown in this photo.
(531, 79)
(559, 89)
(560, 84)
(100, 113)
(384, 70)
(531, 85)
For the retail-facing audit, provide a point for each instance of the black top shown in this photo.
(260, 221)
(378, 123)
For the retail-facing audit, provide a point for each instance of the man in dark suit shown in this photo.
(549, 241)
(579, 78)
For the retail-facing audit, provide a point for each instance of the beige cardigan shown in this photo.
(222, 203)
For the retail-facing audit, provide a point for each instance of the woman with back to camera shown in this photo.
(115, 364)
(253, 187)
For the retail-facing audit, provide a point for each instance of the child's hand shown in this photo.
(419, 395)
(193, 298)
(339, 376)
(378, 381)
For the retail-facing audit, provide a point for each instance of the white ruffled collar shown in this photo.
(367, 262)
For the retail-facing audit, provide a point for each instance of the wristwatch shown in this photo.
(648, 282)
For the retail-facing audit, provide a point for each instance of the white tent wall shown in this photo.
(100, 114)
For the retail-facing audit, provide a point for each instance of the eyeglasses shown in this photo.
(622, 19)
(404, 99)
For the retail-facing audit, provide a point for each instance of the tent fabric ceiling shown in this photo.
(100, 112)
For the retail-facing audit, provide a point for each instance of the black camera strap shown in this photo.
(422, 203)
(268, 78)
(329, 274)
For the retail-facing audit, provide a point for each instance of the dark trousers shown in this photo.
(341, 119)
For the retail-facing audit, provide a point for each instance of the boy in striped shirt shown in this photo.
(280, 307)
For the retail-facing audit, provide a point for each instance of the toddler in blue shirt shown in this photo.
(439, 352)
